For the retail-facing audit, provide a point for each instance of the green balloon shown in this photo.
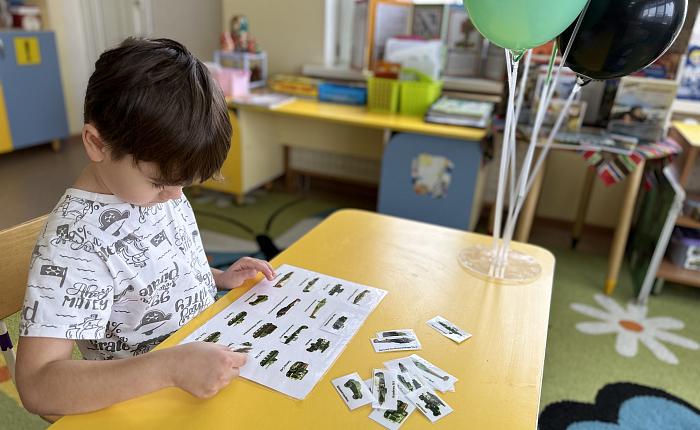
(522, 24)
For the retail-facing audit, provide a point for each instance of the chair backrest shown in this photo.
(430, 179)
(16, 247)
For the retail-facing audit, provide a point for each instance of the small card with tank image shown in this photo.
(405, 342)
(338, 322)
(429, 403)
(384, 389)
(406, 332)
(449, 330)
(424, 372)
(394, 418)
(353, 391)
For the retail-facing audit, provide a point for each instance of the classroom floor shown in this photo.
(593, 342)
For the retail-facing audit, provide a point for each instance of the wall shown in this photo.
(290, 31)
(194, 23)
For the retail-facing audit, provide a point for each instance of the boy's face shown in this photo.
(136, 182)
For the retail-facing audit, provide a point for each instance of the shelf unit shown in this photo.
(688, 136)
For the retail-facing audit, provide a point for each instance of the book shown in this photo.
(458, 111)
(267, 100)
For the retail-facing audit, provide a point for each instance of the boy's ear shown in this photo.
(94, 146)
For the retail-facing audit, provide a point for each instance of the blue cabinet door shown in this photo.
(31, 80)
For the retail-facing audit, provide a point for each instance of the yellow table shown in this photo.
(499, 368)
(261, 135)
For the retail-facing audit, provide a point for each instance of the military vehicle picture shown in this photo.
(404, 382)
(340, 322)
(360, 296)
(295, 334)
(270, 358)
(355, 387)
(298, 370)
(381, 387)
(245, 347)
(337, 289)
(432, 402)
(261, 298)
(426, 369)
(282, 282)
(394, 340)
(310, 285)
(214, 337)
(240, 316)
(395, 334)
(264, 330)
(399, 414)
(451, 329)
(320, 345)
(321, 303)
(286, 309)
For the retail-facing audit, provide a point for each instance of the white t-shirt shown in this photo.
(116, 277)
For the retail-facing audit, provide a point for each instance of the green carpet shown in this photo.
(577, 364)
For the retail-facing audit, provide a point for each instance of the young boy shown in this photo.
(120, 264)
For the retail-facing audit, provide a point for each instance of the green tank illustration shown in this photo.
(416, 384)
(309, 285)
(282, 282)
(320, 345)
(245, 347)
(321, 303)
(404, 382)
(402, 368)
(264, 330)
(394, 340)
(270, 358)
(337, 289)
(360, 296)
(425, 369)
(240, 316)
(292, 337)
(395, 334)
(432, 402)
(450, 328)
(214, 337)
(298, 370)
(340, 322)
(286, 309)
(261, 298)
(381, 387)
(355, 387)
(399, 414)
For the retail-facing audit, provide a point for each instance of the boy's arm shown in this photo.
(51, 383)
(242, 270)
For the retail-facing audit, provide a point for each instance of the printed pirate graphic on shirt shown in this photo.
(117, 278)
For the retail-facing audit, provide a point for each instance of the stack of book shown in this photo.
(456, 111)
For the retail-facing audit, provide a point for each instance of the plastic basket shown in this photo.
(383, 95)
(417, 96)
(233, 82)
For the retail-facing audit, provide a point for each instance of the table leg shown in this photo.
(617, 250)
(527, 215)
(583, 203)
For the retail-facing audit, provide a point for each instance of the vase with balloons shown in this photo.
(599, 39)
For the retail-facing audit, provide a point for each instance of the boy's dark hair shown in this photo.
(153, 100)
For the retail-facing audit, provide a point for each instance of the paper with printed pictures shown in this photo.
(353, 391)
(393, 419)
(407, 375)
(429, 403)
(295, 327)
(384, 389)
(395, 343)
(449, 330)
(403, 332)
(433, 375)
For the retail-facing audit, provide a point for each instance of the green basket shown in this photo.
(417, 96)
(383, 95)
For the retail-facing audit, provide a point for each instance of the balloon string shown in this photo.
(512, 66)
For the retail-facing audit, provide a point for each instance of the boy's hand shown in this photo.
(242, 270)
(203, 369)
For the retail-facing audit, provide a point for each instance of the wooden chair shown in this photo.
(17, 247)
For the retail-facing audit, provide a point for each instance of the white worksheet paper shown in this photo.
(294, 326)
